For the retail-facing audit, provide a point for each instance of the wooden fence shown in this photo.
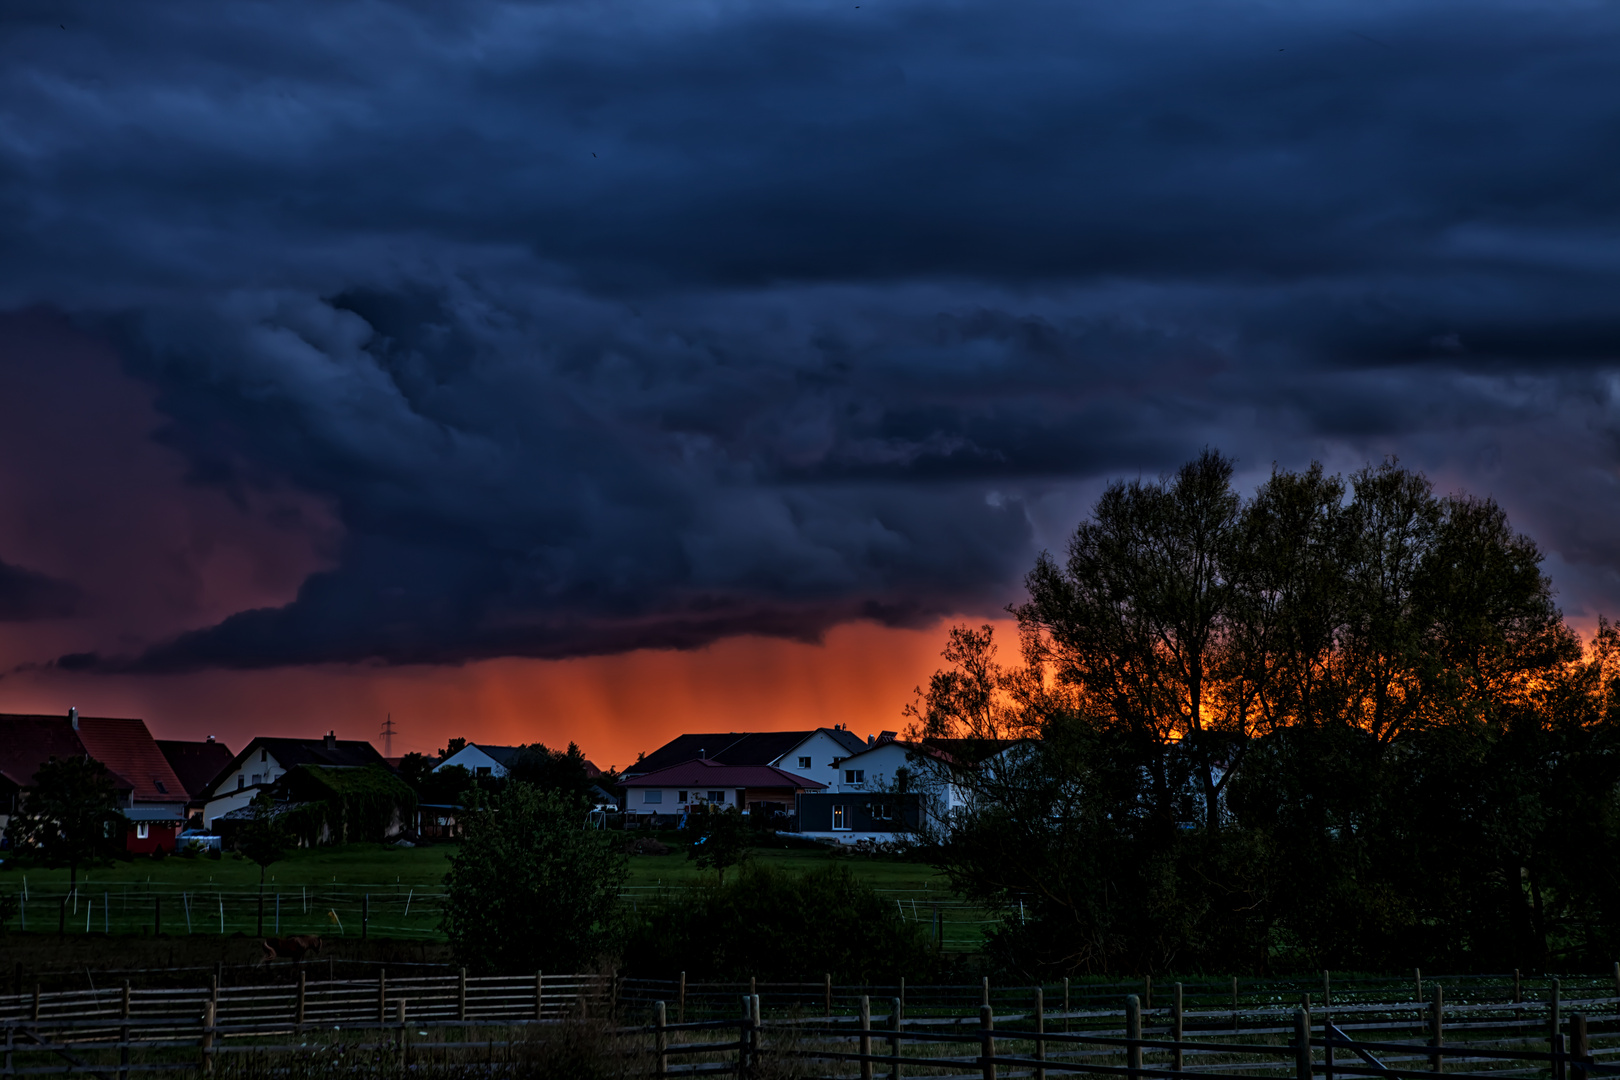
(493, 1022)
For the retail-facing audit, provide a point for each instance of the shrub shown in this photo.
(774, 925)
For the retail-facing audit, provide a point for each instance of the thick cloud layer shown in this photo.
(636, 324)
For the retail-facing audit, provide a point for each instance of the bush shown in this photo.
(531, 888)
(773, 925)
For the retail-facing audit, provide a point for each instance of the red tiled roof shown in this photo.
(128, 749)
(28, 741)
(703, 773)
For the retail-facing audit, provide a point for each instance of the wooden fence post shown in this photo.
(1302, 1044)
(1234, 1005)
(1176, 1025)
(1065, 1003)
(1417, 974)
(1555, 1035)
(1327, 989)
(382, 995)
(123, 1036)
(756, 1032)
(35, 1013)
(1437, 1011)
(986, 1002)
(1327, 1046)
(1133, 1032)
(539, 995)
(399, 1018)
(157, 915)
(7, 1065)
(660, 1043)
(866, 1038)
(208, 1037)
(680, 1002)
(461, 996)
(897, 1009)
(828, 1013)
(744, 1065)
(1580, 1046)
(1617, 980)
(1147, 992)
(987, 1042)
(1040, 1032)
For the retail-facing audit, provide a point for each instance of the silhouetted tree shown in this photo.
(69, 818)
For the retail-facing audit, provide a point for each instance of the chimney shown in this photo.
(702, 753)
(73, 717)
(870, 740)
(210, 738)
(331, 740)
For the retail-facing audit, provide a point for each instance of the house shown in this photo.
(197, 764)
(150, 795)
(481, 760)
(813, 755)
(265, 760)
(886, 792)
(335, 804)
(749, 788)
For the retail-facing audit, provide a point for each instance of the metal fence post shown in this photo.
(866, 1038)
(1302, 1044)
(1437, 1010)
(987, 1042)
(1175, 1027)
(1133, 1032)
(660, 1043)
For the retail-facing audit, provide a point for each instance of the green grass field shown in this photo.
(328, 890)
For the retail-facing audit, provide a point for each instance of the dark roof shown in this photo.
(705, 773)
(28, 741)
(737, 748)
(128, 749)
(197, 764)
(291, 753)
(502, 754)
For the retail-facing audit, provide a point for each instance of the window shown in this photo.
(840, 817)
(881, 811)
(854, 776)
(717, 796)
(142, 831)
(804, 763)
(264, 755)
(241, 781)
(680, 796)
(651, 797)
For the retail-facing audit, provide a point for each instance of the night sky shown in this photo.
(599, 370)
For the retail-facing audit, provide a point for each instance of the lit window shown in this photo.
(142, 831)
(804, 763)
(652, 797)
(840, 818)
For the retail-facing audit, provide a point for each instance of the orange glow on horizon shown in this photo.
(861, 676)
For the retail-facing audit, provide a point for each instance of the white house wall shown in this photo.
(636, 803)
(822, 750)
(472, 759)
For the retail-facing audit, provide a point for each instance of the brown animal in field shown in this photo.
(292, 948)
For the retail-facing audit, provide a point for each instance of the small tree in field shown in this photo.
(719, 838)
(264, 840)
(531, 888)
(70, 818)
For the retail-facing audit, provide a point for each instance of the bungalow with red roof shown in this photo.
(748, 788)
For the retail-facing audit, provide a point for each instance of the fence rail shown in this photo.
(1012, 1031)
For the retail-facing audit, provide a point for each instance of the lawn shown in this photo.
(329, 891)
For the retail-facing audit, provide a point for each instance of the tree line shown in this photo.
(1336, 722)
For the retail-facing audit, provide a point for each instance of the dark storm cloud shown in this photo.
(619, 325)
(27, 595)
